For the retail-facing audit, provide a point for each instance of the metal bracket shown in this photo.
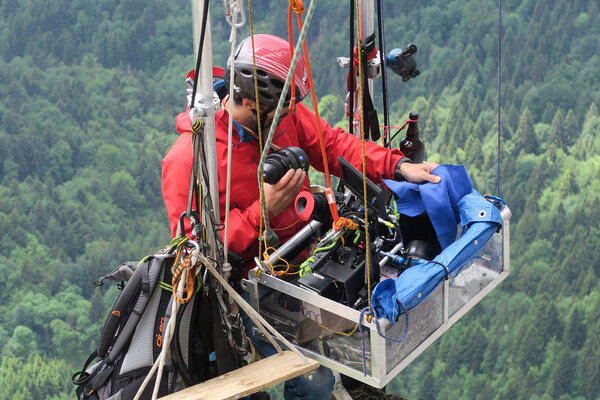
(373, 65)
(204, 106)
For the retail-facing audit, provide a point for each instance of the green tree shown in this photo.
(574, 335)
(22, 343)
(590, 385)
(531, 350)
(558, 137)
(562, 374)
(525, 139)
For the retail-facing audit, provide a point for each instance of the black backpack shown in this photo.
(132, 336)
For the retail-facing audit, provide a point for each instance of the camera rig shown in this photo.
(336, 268)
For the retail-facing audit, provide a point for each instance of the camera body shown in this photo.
(401, 61)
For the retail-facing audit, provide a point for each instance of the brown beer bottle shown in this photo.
(412, 146)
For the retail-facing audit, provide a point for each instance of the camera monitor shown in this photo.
(353, 180)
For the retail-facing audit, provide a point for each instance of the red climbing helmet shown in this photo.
(272, 65)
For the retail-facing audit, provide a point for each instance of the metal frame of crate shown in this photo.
(429, 320)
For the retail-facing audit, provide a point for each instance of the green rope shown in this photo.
(286, 86)
(304, 268)
(165, 286)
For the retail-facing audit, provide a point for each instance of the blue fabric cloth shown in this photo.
(481, 218)
(440, 200)
(319, 387)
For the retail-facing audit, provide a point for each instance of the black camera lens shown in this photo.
(279, 162)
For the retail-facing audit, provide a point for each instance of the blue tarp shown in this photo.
(448, 203)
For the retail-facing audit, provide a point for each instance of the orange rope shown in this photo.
(298, 7)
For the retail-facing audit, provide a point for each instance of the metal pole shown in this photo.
(366, 8)
(206, 100)
(206, 105)
(366, 14)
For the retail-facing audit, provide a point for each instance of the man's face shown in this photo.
(271, 117)
(268, 119)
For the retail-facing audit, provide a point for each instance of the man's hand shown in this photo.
(281, 194)
(421, 172)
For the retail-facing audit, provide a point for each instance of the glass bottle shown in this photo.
(412, 146)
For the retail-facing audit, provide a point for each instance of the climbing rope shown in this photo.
(233, 10)
(298, 7)
(265, 149)
(182, 269)
(264, 219)
(499, 95)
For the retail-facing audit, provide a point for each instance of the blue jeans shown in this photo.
(299, 388)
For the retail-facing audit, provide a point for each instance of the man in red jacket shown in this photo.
(296, 128)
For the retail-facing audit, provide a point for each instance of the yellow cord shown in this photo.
(338, 332)
(261, 234)
(364, 163)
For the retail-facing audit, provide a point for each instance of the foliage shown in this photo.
(87, 104)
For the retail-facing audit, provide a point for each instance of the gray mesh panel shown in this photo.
(139, 353)
(184, 329)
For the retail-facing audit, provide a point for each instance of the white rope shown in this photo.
(159, 363)
(169, 330)
(232, 10)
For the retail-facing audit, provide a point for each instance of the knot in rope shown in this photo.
(305, 269)
(297, 6)
(271, 238)
(344, 222)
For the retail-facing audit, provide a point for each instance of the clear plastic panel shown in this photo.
(423, 320)
(317, 329)
(476, 274)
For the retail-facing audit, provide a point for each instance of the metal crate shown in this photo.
(315, 324)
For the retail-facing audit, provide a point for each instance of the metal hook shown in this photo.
(233, 8)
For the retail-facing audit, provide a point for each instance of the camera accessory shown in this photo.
(279, 162)
(313, 206)
(402, 62)
(353, 180)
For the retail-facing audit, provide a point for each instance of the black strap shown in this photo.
(386, 116)
(369, 113)
(368, 109)
(100, 378)
(82, 377)
(118, 313)
(226, 360)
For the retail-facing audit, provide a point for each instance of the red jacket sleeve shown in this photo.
(380, 161)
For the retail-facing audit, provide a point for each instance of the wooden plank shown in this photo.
(249, 379)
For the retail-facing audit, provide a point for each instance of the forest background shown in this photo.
(88, 97)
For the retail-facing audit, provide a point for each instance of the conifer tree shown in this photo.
(525, 139)
(574, 335)
(591, 362)
(531, 350)
(562, 374)
(557, 138)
